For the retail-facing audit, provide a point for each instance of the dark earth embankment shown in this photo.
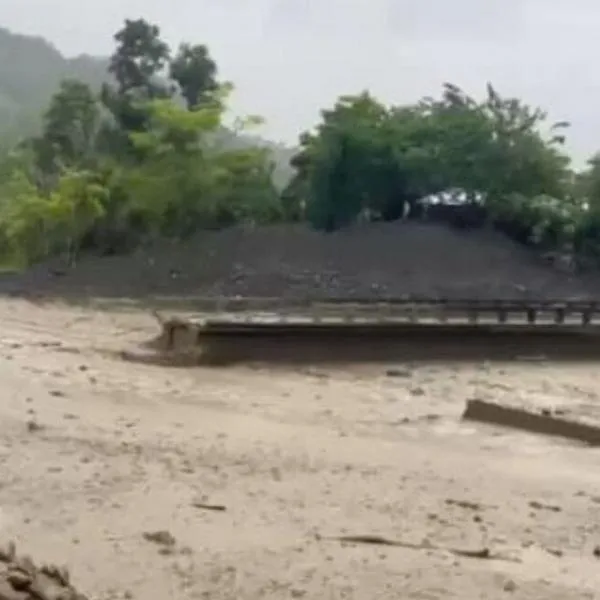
(377, 260)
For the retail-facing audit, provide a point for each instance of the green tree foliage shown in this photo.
(365, 156)
(136, 65)
(215, 186)
(111, 170)
(34, 225)
(195, 72)
(70, 129)
(140, 56)
(586, 184)
(149, 155)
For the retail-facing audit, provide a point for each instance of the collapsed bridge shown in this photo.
(230, 329)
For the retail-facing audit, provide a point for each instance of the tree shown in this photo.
(136, 64)
(140, 56)
(70, 128)
(368, 157)
(586, 184)
(243, 187)
(34, 225)
(339, 166)
(73, 208)
(186, 182)
(195, 72)
(520, 159)
(22, 220)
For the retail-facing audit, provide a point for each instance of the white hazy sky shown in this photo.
(289, 58)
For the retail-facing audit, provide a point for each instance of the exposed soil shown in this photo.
(300, 482)
(399, 259)
(297, 480)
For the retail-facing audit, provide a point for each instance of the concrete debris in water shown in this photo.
(21, 579)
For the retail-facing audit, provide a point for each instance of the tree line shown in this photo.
(150, 155)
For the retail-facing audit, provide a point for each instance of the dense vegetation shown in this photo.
(146, 153)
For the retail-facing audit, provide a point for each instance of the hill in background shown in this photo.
(30, 71)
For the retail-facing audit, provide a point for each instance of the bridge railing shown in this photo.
(551, 311)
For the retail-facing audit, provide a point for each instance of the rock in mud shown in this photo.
(161, 537)
(399, 372)
(21, 579)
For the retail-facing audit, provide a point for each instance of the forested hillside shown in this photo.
(134, 150)
(30, 72)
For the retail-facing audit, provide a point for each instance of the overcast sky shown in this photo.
(289, 58)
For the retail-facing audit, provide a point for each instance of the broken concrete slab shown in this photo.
(528, 420)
